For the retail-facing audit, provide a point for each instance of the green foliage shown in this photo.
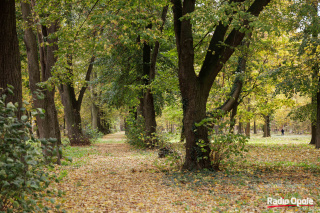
(224, 143)
(135, 131)
(92, 134)
(23, 177)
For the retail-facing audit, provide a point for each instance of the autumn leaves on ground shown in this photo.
(111, 176)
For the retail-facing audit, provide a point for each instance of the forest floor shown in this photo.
(111, 176)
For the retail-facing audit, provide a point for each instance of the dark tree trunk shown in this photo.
(195, 89)
(72, 107)
(232, 117)
(48, 126)
(266, 127)
(317, 141)
(147, 103)
(254, 126)
(10, 65)
(315, 99)
(313, 133)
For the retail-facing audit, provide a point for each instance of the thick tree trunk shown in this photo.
(72, 107)
(72, 116)
(10, 65)
(196, 88)
(48, 126)
(197, 156)
(266, 127)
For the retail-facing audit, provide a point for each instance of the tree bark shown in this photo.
(240, 128)
(317, 141)
(266, 127)
(247, 130)
(72, 107)
(48, 126)
(10, 65)
(254, 126)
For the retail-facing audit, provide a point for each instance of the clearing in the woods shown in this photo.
(111, 176)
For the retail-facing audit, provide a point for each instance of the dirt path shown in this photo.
(117, 178)
(113, 177)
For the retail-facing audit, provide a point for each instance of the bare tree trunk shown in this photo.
(266, 127)
(240, 131)
(254, 126)
(10, 65)
(247, 130)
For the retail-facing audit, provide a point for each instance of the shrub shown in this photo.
(223, 142)
(23, 176)
(92, 134)
(135, 131)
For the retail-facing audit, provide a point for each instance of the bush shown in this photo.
(23, 176)
(92, 134)
(224, 143)
(135, 131)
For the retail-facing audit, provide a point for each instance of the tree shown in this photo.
(10, 65)
(48, 125)
(195, 88)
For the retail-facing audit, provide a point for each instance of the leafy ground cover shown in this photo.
(110, 176)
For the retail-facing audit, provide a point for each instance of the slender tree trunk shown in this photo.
(240, 127)
(94, 116)
(254, 126)
(317, 141)
(313, 133)
(10, 65)
(266, 127)
(247, 130)
(147, 100)
(232, 117)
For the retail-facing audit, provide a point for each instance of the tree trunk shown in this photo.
(317, 141)
(148, 103)
(240, 127)
(313, 133)
(72, 107)
(266, 127)
(247, 130)
(254, 126)
(197, 156)
(232, 117)
(48, 126)
(94, 116)
(72, 116)
(195, 88)
(10, 65)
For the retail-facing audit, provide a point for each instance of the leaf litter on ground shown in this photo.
(114, 177)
